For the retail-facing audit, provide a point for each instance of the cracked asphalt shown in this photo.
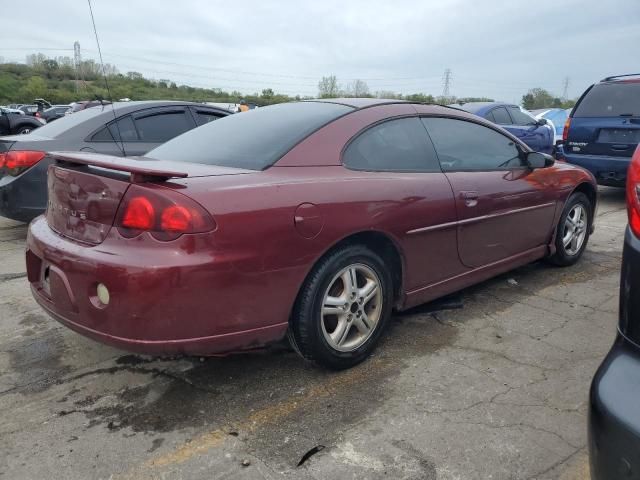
(496, 389)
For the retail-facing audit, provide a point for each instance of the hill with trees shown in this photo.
(59, 81)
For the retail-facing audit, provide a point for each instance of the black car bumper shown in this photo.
(614, 412)
(24, 197)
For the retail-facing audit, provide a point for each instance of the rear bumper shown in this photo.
(165, 298)
(23, 198)
(614, 415)
(607, 170)
(614, 412)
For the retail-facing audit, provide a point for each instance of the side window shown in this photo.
(501, 117)
(204, 116)
(468, 146)
(126, 128)
(102, 135)
(489, 116)
(521, 118)
(395, 145)
(163, 126)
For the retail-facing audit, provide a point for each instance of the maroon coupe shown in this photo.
(313, 220)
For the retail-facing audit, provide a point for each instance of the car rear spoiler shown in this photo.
(141, 169)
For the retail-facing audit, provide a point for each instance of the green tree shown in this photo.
(35, 87)
(539, 98)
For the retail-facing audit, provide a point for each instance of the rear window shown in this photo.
(610, 100)
(253, 140)
(67, 122)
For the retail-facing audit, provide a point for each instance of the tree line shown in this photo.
(60, 81)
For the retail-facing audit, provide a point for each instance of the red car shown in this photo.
(311, 219)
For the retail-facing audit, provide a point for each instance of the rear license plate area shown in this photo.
(619, 135)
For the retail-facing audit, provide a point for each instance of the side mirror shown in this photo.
(543, 121)
(539, 160)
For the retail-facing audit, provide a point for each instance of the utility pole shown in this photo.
(77, 62)
(446, 83)
(565, 89)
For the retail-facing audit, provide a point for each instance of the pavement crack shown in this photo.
(536, 476)
(4, 277)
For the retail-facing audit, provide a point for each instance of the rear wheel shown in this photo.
(572, 232)
(343, 308)
(24, 130)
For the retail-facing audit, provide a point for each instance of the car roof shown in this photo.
(358, 102)
(475, 107)
(622, 78)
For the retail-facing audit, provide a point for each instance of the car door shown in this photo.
(503, 207)
(398, 163)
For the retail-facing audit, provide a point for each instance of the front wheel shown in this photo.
(24, 130)
(572, 232)
(343, 308)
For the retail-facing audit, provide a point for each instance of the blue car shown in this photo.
(538, 134)
(603, 129)
(557, 116)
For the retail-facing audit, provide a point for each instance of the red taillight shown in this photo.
(139, 214)
(565, 131)
(163, 212)
(633, 191)
(16, 161)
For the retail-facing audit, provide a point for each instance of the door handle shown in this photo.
(620, 147)
(470, 198)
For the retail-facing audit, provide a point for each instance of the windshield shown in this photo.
(254, 140)
(611, 100)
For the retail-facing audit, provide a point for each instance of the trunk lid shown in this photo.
(85, 190)
(611, 136)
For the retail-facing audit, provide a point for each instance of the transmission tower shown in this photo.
(77, 62)
(565, 89)
(446, 82)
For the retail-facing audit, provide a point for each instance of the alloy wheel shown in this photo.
(575, 229)
(351, 307)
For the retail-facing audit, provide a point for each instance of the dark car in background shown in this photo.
(13, 123)
(603, 129)
(538, 134)
(55, 112)
(614, 412)
(124, 129)
(84, 104)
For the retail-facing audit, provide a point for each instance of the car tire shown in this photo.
(24, 130)
(343, 308)
(573, 230)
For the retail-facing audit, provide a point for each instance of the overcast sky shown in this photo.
(493, 48)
